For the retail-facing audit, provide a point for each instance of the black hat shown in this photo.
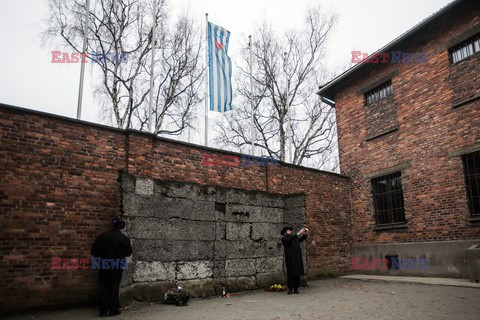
(118, 223)
(285, 229)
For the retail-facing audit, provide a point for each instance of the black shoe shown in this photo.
(296, 291)
(289, 292)
(102, 315)
(115, 313)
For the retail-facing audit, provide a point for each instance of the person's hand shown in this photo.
(306, 231)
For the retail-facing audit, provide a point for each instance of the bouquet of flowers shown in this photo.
(176, 295)
(276, 288)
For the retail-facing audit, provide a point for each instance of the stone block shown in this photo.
(144, 186)
(266, 231)
(271, 215)
(153, 271)
(295, 201)
(265, 280)
(127, 276)
(151, 291)
(163, 207)
(237, 284)
(199, 288)
(235, 196)
(172, 229)
(219, 269)
(160, 188)
(190, 191)
(128, 182)
(220, 230)
(295, 216)
(129, 203)
(270, 265)
(219, 216)
(238, 249)
(125, 296)
(155, 250)
(194, 270)
(240, 267)
(221, 195)
(237, 231)
(248, 213)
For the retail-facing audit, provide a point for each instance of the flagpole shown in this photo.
(154, 38)
(252, 128)
(206, 82)
(287, 105)
(290, 133)
(82, 62)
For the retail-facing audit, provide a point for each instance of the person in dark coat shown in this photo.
(293, 256)
(111, 247)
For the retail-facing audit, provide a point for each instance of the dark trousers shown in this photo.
(109, 287)
(293, 283)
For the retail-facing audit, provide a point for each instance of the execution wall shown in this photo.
(63, 180)
(203, 237)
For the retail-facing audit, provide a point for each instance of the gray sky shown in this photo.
(29, 79)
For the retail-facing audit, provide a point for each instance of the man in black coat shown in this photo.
(111, 247)
(293, 256)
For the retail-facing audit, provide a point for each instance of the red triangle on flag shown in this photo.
(218, 45)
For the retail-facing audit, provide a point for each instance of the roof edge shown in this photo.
(323, 89)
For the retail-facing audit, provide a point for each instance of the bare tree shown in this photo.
(178, 78)
(286, 72)
(120, 44)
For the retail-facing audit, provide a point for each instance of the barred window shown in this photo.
(471, 163)
(388, 199)
(465, 49)
(379, 92)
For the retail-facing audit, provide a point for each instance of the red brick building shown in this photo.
(409, 137)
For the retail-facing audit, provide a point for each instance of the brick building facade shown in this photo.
(409, 137)
(61, 184)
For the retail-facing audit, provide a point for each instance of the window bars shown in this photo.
(465, 49)
(388, 199)
(471, 163)
(379, 92)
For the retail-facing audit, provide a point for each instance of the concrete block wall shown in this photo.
(204, 237)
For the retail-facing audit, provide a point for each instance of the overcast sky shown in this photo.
(29, 79)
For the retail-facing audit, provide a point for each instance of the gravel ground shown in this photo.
(323, 299)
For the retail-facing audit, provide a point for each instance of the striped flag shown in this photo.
(219, 68)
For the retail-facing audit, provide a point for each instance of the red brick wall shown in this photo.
(60, 188)
(429, 141)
